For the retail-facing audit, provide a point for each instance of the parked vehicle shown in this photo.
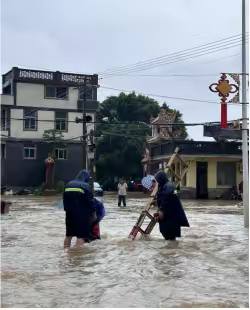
(138, 186)
(98, 191)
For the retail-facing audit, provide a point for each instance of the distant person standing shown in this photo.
(122, 192)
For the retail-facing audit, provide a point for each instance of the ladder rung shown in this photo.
(148, 215)
(175, 174)
(181, 160)
(141, 231)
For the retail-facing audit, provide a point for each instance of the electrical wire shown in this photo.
(136, 123)
(169, 97)
(162, 60)
(167, 63)
(166, 55)
(177, 74)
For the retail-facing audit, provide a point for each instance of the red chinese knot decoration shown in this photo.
(224, 88)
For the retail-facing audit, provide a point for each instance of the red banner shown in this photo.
(223, 115)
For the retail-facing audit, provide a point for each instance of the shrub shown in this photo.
(60, 187)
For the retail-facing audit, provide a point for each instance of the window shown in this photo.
(3, 150)
(4, 119)
(226, 173)
(56, 92)
(30, 120)
(89, 94)
(61, 121)
(61, 153)
(29, 152)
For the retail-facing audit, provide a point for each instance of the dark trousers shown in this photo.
(121, 199)
(169, 229)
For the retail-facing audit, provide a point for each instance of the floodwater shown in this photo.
(207, 268)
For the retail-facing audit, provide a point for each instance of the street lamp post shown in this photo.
(244, 121)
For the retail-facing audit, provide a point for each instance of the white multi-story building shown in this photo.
(33, 101)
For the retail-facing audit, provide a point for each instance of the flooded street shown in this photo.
(208, 268)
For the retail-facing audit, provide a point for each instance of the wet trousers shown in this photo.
(122, 199)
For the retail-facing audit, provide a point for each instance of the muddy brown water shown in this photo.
(207, 268)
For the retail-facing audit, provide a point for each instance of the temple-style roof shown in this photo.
(163, 118)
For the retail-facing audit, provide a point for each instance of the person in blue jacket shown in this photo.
(100, 213)
(171, 213)
(80, 210)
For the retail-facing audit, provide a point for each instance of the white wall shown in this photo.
(32, 95)
(16, 126)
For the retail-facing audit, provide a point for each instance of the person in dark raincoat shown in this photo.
(80, 210)
(171, 213)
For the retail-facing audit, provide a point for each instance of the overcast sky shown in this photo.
(93, 36)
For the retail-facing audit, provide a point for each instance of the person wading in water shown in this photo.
(171, 215)
(80, 210)
(122, 192)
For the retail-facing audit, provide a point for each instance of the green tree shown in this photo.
(53, 136)
(120, 146)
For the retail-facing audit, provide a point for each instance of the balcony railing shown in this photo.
(51, 77)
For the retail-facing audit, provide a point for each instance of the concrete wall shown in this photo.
(7, 100)
(214, 190)
(19, 172)
(16, 126)
(33, 95)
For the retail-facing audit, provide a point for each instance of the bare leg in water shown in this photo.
(67, 242)
(79, 243)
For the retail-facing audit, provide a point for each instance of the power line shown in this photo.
(169, 97)
(222, 58)
(121, 135)
(163, 75)
(163, 63)
(163, 59)
(176, 74)
(133, 123)
(166, 55)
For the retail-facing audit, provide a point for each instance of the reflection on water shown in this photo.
(208, 267)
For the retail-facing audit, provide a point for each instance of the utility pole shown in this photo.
(84, 127)
(91, 162)
(244, 121)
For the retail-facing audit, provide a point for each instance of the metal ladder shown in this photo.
(145, 213)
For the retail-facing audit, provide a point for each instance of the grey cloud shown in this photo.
(92, 36)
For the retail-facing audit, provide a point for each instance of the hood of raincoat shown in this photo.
(161, 177)
(83, 176)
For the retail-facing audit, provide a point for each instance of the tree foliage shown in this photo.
(53, 137)
(120, 146)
